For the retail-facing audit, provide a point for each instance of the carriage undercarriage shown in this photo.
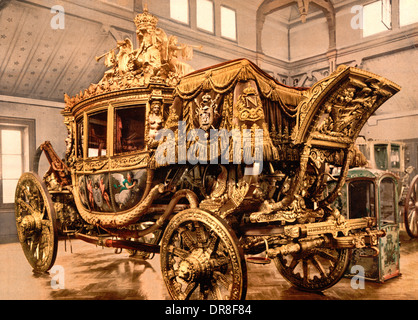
(202, 255)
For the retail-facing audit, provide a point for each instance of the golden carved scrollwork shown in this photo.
(129, 161)
(335, 109)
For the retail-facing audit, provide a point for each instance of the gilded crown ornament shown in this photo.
(145, 20)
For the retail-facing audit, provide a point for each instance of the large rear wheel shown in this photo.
(36, 222)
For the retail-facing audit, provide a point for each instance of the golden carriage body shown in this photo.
(226, 163)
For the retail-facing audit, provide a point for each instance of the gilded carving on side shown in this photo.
(249, 106)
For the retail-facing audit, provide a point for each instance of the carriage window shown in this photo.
(129, 130)
(381, 156)
(97, 135)
(395, 157)
(361, 199)
(80, 138)
(387, 201)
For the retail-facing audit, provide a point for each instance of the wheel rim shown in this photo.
(410, 212)
(315, 269)
(201, 258)
(36, 222)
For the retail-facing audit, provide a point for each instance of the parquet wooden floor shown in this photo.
(95, 273)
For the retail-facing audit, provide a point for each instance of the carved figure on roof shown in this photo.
(124, 55)
(174, 48)
(157, 58)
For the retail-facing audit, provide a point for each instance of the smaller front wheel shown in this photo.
(314, 269)
(201, 258)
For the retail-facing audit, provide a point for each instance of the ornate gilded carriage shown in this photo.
(206, 169)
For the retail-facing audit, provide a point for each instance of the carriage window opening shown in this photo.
(361, 199)
(381, 156)
(387, 201)
(395, 157)
(80, 138)
(129, 129)
(97, 135)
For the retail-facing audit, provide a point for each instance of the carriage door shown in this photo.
(388, 220)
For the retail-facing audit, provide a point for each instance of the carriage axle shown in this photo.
(119, 243)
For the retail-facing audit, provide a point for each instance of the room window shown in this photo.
(408, 12)
(228, 23)
(16, 150)
(381, 156)
(179, 10)
(204, 15)
(373, 19)
(395, 156)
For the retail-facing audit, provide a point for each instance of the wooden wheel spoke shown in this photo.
(221, 278)
(178, 252)
(200, 233)
(293, 263)
(188, 239)
(413, 221)
(204, 292)
(327, 256)
(215, 292)
(305, 268)
(190, 288)
(213, 244)
(318, 266)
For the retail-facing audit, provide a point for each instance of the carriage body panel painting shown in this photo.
(207, 168)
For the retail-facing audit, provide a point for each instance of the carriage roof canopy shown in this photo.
(222, 77)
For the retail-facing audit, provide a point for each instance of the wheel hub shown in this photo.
(196, 266)
(30, 222)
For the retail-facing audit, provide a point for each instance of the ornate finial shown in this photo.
(145, 19)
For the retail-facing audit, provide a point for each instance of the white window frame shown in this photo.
(408, 22)
(382, 28)
(200, 14)
(227, 36)
(27, 129)
(177, 18)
